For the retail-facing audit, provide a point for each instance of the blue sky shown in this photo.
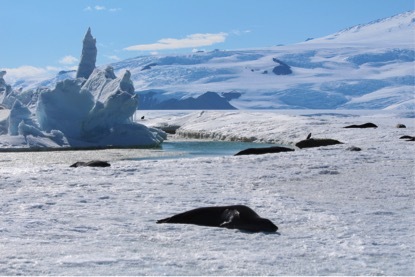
(46, 35)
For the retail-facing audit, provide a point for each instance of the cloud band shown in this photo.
(190, 41)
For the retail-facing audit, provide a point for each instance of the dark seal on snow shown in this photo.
(354, 148)
(312, 142)
(233, 217)
(408, 138)
(366, 125)
(92, 164)
(263, 150)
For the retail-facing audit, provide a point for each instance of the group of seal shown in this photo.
(307, 143)
(314, 142)
(239, 216)
(232, 217)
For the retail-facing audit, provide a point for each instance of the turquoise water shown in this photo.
(168, 150)
(199, 148)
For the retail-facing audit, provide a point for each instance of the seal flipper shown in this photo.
(229, 217)
(165, 220)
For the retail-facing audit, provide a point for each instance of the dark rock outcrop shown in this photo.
(148, 66)
(89, 56)
(231, 95)
(282, 68)
(263, 150)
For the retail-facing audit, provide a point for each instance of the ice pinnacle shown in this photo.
(89, 56)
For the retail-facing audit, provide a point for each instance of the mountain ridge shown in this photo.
(367, 66)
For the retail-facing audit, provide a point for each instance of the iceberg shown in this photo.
(89, 56)
(94, 110)
(97, 112)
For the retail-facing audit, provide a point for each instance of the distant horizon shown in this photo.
(50, 33)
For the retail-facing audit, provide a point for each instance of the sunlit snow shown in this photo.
(338, 211)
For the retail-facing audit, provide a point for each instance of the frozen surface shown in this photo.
(339, 212)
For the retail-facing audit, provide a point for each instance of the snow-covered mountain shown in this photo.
(367, 66)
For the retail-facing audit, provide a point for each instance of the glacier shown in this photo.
(369, 66)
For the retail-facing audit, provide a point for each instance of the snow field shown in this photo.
(338, 211)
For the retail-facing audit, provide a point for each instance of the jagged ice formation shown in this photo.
(89, 56)
(93, 110)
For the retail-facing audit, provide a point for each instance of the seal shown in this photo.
(366, 125)
(263, 150)
(312, 142)
(354, 148)
(232, 217)
(408, 138)
(92, 164)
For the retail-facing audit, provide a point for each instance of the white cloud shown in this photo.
(101, 8)
(113, 57)
(28, 72)
(68, 60)
(239, 32)
(190, 41)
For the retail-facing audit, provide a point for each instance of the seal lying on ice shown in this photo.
(91, 163)
(408, 138)
(263, 150)
(365, 125)
(232, 217)
(311, 142)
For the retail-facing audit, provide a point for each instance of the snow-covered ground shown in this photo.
(339, 212)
